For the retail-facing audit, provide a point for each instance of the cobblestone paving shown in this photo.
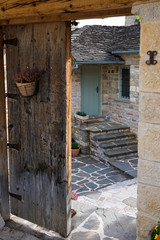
(90, 175)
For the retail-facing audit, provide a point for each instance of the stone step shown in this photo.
(118, 144)
(114, 136)
(123, 152)
(109, 129)
(125, 167)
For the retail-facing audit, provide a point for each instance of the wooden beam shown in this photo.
(64, 10)
(4, 194)
(68, 16)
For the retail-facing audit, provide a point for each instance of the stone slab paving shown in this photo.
(127, 166)
(107, 214)
(91, 175)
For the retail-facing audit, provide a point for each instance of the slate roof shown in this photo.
(95, 43)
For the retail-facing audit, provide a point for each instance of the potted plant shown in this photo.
(26, 81)
(154, 234)
(81, 115)
(75, 149)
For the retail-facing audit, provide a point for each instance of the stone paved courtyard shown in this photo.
(105, 209)
(90, 175)
(107, 214)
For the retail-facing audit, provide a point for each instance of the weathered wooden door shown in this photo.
(39, 126)
(90, 89)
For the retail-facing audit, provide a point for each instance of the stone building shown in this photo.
(105, 72)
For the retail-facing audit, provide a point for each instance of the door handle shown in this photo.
(97, 89)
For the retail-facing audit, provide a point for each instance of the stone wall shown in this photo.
(76, 91)
(149, 121)
(130, 20)
(118, 109)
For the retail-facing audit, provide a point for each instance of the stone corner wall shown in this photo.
(76, 91)
(120, 110)
(130, 20)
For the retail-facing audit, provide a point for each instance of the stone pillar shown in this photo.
(149, 121)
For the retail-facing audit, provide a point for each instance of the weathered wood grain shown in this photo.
(39, 171)
(126, 11)
(12, 9)
(4, 195)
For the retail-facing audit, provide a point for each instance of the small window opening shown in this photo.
(125, 83)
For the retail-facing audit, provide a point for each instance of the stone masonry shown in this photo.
(76, 91)
(130, 20)
(118, 109)
(149, 122)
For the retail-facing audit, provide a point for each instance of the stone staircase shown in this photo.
(116, 142)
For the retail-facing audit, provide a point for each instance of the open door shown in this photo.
(39, 129)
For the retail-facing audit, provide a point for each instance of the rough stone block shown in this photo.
(150, 11)
(150, 203)
(144, 225)
(149, 172)
(151, 35)
(149, 77)
(149, 107)
(149, 141)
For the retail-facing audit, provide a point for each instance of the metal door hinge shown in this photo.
(13, 96)
(13, 42)
(17, 196)
(14, 146)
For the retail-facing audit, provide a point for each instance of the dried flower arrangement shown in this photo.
(27, 76)
(26, 81)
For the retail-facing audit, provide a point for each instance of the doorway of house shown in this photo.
(90, 89)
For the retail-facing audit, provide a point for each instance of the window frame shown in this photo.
(120, 92)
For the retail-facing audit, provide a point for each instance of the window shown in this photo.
(125, 83)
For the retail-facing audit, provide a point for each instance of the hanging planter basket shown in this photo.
(27, 89)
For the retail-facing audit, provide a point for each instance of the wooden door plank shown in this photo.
(4, 195)
(42, 167)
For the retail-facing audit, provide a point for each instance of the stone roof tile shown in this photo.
(95, 43)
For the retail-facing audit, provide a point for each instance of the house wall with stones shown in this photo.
(115, 107)
(76, 91)
(112, 106)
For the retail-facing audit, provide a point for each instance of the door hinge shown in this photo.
(14, 146)
(13, 42)
(17, 196)
(13, 96)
